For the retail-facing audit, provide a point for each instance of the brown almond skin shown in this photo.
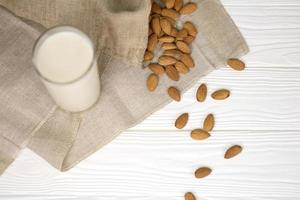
(172, 73)
(220, 94)
(202, 172)
(191, 29)
(182, 46)
(201, 93)
(174, 53)
(199, 134)
(152, 42)
(169, 3)
(148, 56)
(209, 122)
(189, 196)
(236, 64)
(233, 151)
(155, 25)
(152, 82)
(167, 39)
(155, 8)
(174, 93)
(174, 32)
(168, 46)
(166, 26)
(182, 34)
(166, 60)
(188, 60)
(181, 68)
(188, 8)
(182, 120)
(189, 39)
(166, 12)
(156, 68)
(178, 4)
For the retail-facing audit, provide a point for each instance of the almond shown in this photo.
(155, 25)
(191, 29)
(148, 56)
(150, 31)
(152, 82)
(182, 46)
(168, 46)
(189, 196)
(181, 34)
(187, 60)
(220, 94)
(174, 93)
(188, 8)
(181, 68)
(174, 53)
(166, 26)
(166, 12)
(166, 39)
(174, 32)
(202, 172)
(201, 93)
(166, 60)
(189, 39)
(171, 20)
(169, 3)
(155, 8)
(233, 151)
(209, 122)
(236, 64)
(152, 42)
(182, 120)
(157, 69)
(172, 73)
(178, 4)
(199, 134)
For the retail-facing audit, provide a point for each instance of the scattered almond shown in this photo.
(181, 34)
(150, 31)
(169, 3)
(172, 73)
(174, 32)
(188, 8)
(174, 93)
(189, 39)
(166, 26)
(155, 25)
(181, 68)
(171, 20)
(191, 29)
(152, 82)
(220, 94)
(174, 53)
(155, 8)
(189, 196)
(148, 56)
(166, 60)
(182, 120)
(209, 122)
(178, 4)
(157, 69)
(166, 12)
(199, 134)
(182, 46)
(166, 39)
(233, 151)
(168, 46)
(187, 60)
(152, 42)
(236, 64)
(202, 172)
(201, 93)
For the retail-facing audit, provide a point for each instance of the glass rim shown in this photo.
(54, 30)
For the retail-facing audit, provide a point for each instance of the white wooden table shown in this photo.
(153, 161)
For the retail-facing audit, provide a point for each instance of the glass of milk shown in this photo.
(64, 57)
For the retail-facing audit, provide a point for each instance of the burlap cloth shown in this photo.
(28, 116)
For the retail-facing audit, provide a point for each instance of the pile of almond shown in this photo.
(175, 60)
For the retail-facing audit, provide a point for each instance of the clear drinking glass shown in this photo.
(64, 58)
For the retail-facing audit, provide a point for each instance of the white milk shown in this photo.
(64, 58)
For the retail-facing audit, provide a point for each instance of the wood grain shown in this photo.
(154, 161)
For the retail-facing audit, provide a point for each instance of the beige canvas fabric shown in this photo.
(29, 118)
